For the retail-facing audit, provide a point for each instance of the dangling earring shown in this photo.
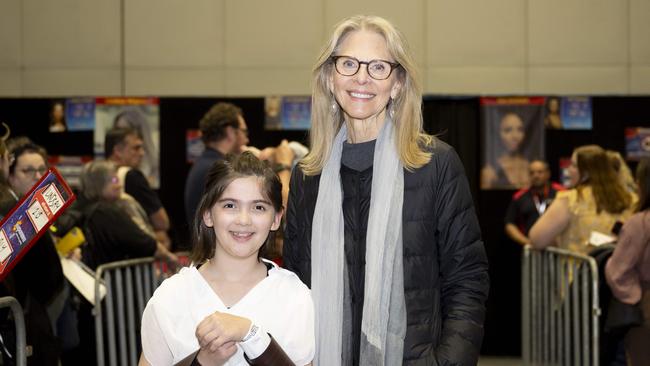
(335, 107)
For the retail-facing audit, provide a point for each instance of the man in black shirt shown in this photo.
(125, 148)
(529, 203)
(223, 131)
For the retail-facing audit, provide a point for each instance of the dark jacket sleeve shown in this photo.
(463, 265)
(116, 237)
(295, 252)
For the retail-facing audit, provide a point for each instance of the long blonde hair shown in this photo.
(327, 116)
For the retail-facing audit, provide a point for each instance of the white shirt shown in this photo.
(280, 304)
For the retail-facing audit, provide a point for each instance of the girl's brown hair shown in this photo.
(222, 173)
(597, 172)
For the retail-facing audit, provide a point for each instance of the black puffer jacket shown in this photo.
(445, 266)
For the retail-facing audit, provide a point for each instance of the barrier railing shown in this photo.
(129, 284)
(560, 308)
(19, 321)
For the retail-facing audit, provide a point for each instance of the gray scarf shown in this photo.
(384, 311)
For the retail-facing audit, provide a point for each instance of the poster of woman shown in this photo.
(513, 135)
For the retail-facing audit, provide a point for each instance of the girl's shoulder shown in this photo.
(179, 286)
(286, 281)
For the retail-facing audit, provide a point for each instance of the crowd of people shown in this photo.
(374, 225)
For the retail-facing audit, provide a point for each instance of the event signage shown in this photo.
(31, 217)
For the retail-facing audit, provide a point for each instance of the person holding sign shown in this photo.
(218, 312)
(37, 280)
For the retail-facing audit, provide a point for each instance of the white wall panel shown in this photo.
(71, 82)
(583, 32)
(270, 34)
(476, 33)
(475, 80)
(578, 80)
(10, 82)
(71, 33)
(640, 32)
(10, 33)
(265, 81)
(164, 82)
(173, 33)
(640, 80)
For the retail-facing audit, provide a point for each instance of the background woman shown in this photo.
(37, 280)
(628, 269)
(224, 307)
(510, 170)
(596, 202)
(380, 220)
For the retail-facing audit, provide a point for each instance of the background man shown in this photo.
(223, 131)
(528, 204)
(125, 147)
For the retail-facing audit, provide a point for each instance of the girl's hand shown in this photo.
(218, 357)
(219, 329)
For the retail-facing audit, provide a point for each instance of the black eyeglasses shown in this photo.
(377, 69)
(31, 171)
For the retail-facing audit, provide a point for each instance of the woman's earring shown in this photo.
(334, 107)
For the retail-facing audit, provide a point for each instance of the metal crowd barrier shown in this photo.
(129, 284)
(560, 308)
(19, 321)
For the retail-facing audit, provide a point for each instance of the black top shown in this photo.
(110, 234)
(526, 204)
(35, 280)
(356, 208)
(445, 266)
(136, 184)
(195, 182)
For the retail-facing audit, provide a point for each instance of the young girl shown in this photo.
(233, 304)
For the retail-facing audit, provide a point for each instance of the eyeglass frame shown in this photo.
(31, 171)
(393, 65)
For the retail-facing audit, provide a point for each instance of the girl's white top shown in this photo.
(280, 304)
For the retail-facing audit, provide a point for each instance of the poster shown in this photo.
(80, 114)
(31, 217)
(287, 113)
(141, 114)
(576, 113)
(637, 143)
(194, 145)
(512, 136)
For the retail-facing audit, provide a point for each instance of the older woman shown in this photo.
(111, 233)
(380, 220)
(596, 202)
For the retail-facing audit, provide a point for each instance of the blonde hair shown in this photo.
(326, 121)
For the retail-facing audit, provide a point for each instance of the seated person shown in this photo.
(110, 232)
(219, 312)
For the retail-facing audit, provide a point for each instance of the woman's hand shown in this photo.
(218, 335)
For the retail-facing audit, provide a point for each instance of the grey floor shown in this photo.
(499, 361)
